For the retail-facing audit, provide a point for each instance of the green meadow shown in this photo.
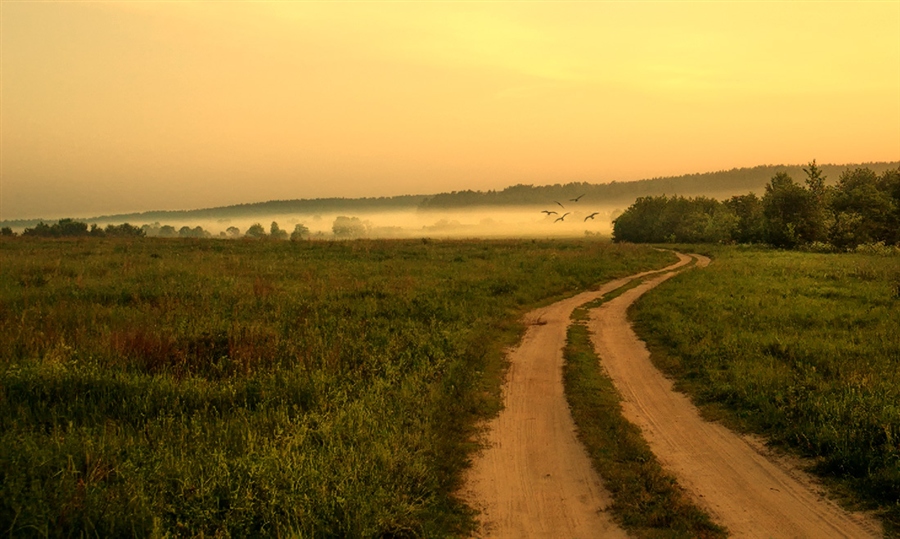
(803, 348)
(153, 387)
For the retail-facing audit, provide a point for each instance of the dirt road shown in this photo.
(534, 478)
(742, 486)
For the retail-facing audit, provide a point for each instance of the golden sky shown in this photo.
(110, 107)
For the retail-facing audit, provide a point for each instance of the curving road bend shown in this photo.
(744, 487)
(534, 478)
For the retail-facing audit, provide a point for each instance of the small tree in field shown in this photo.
(348, 227)
(276, 233)
(301, 232)
(256, 230)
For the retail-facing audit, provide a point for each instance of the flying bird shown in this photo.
(548, 212)
(563, 216)
(560, 205)
(577, 198)
(591, 216)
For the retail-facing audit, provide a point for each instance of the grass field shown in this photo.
(240, 388)
(803, 348)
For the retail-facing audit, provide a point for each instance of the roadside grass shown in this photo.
(647, 501)
(803, 348)
(157, 387)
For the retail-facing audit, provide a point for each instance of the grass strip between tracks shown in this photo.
(647, 501)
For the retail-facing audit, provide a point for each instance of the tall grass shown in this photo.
(185, 388)
(801, 347)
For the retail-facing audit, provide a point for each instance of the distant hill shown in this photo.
(722, 184)
(257, 209)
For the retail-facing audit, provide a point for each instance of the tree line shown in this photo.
(70, 228)
(862, 207)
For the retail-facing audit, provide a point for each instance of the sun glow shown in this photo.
(134, 105)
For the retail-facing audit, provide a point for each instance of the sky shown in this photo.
(122, 106)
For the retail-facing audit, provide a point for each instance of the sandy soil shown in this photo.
(534, 478)
(742, 485)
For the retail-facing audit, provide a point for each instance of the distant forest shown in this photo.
(255, 210)
(714, 184)
(861, 208)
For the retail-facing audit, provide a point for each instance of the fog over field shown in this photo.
(414, 223)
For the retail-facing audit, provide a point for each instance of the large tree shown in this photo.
(256, 230)
(751, 225)
(819, 219)
(789, 210)
(864, 208)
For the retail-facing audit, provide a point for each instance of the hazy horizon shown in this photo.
(411, 223)
(122, 107)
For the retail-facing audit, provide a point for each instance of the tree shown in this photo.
(751, 224)
(660, 219)
(63, 228)
(8, 232)
(196, 232)
(233, 232)
(41, 229)
(642, 221)
(256, 231)
(788, 209)
(300, 232)
(720, 225)
(167, 231)
(348, 227)
(276, 233)
(889, 182)
(124, 230)
(863, 206)
(818, 221)
(71, 227)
